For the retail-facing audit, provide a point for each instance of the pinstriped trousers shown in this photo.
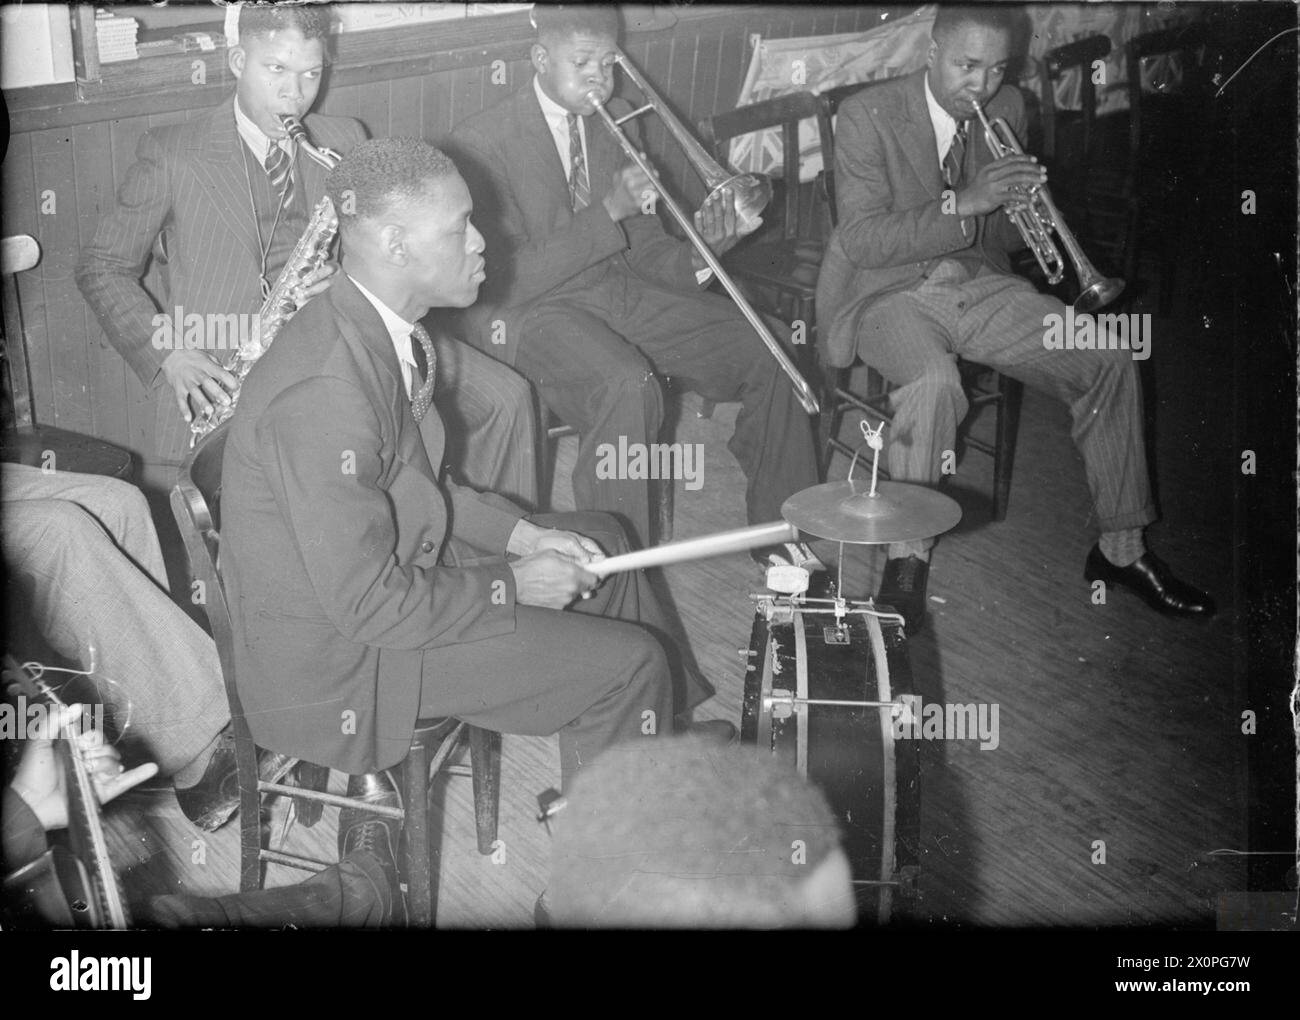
(83, 568)
(913, 338)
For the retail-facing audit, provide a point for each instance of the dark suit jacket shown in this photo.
(889, 198)
(537, 246)
(333, 522)
(187, 184)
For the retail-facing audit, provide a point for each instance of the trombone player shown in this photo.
(589, 297)
(917, 273)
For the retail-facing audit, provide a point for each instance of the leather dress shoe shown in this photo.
(363, 833)
(1151, 580)
(902, 588)
(714, 731)
(211, 801)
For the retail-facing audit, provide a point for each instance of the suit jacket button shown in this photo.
(427, 546)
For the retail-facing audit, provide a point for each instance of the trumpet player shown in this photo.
(917, 274)
(219, 202)
(589, 297)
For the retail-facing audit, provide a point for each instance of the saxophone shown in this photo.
(308, 255)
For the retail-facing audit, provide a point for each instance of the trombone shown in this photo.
(753, 191)
(1036, 221)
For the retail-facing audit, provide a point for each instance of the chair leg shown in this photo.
(419, 869)
(485, 766)
(828, 422)
(310, 777)
(250, 810)
(1004, 448)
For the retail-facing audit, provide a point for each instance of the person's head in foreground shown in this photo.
(675, 833)
(404, 217)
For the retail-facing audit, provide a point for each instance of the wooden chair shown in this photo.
(782, 261)
(1093, 184)
(196, 505)
(22, 440)
(1167, 139)
(984, 386)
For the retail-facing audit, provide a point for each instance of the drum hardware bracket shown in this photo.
(836, 635)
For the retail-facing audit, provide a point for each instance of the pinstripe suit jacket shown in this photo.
(537, 246)
(333, 522)
(889, 198)
(187, 187)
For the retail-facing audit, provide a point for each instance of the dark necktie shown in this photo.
(579, 189)
(421, 396)
(956, 155)
(278, 167)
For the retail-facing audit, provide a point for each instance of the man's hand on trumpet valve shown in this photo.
(1005, 182)
(720, 224)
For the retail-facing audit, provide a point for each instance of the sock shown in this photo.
(1123, 548)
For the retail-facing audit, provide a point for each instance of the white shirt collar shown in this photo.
(557, 119)
(945, 127)
(254, 137)
(399, 331)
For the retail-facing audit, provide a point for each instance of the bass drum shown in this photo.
(820, 695)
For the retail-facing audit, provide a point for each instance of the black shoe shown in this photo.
(902, 588)
(362, 832)
(714, 731)
(211, 801)
(1150, 579)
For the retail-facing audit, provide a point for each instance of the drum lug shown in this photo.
(782, 704)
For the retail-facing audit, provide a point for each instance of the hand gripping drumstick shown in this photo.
(698, 548)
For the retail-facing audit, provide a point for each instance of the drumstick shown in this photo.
(698, 548)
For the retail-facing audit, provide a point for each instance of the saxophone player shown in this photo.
(220, 202)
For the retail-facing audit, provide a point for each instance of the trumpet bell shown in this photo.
(1099, 294)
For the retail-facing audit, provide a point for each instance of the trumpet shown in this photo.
(1039, 218)
(752, 191)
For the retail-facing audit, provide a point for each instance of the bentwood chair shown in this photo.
(984, 386)
(22, 440)
(196, 505)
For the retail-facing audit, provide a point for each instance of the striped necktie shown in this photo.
(421, 397)
(579, 189)
(952, 162)
(278, 168)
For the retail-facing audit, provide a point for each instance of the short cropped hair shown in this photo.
(381, 173)
(311, 19)
(560, 21)
(998, 17)
(677, 832)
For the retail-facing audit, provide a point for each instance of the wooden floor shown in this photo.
(1120, 765)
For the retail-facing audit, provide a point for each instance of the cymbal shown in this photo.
(845, 512)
